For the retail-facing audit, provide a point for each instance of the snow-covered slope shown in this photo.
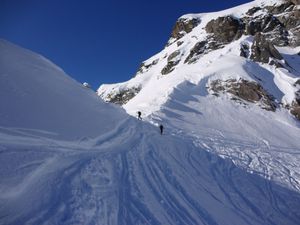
(184, 59)
(38, 96)
(66, 157)
(105, 167)
(230, 81)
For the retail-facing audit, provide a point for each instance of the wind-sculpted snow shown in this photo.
(146, 179)
(66, 157)
(36, 94)
(265, 143)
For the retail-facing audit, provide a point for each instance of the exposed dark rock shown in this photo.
(290, 20)
(295, 109)
(123, 97)
(172, 62)
(142, 67)
(198, 49)
(295, 2)
(184, 26)
(253, 10)
(252, 27)
(269, 23)
(298, 96)
(145, 67)
(201, 48)
(154, 62)
(271, 26)
(277, 64)
(297, 83)
(262, 50)
(245, 90)
(179, 43)
(169, 67)
(277, 9)
(225, 29)
(245, 50)
(173, 55)
(214, 45)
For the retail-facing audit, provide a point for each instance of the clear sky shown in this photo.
(97, 41)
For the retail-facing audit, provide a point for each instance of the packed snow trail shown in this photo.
(147, 179)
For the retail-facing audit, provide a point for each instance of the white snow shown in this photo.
(92, 164)
(43, 98)
(259, 141)
(66, 157)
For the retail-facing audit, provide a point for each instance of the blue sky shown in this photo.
(93, 40)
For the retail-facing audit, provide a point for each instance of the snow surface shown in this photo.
(38, 96)
(66, 157)
(123, 171)
(258, 141)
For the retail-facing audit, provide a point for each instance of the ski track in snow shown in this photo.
(147, 179)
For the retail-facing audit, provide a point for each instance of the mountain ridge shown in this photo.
(204, 35)
(241, 86)
(229, 153)
(120, 171)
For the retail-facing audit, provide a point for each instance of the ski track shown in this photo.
(272, 162)
(144, 180)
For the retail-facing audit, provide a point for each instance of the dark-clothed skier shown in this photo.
(161, 127)
(139, 115)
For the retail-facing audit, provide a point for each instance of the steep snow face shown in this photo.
(36, 95)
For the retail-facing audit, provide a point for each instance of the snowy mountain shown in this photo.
(67, 157)
(227, 78)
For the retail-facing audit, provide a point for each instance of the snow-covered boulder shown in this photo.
(87, 85)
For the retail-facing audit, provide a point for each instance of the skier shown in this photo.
(161, 127)
(139, 115)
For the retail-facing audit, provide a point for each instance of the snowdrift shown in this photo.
(39, 97)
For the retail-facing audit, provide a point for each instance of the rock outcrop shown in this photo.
(295, 107)
(262, 50)
(280, 25)
(245, 50)
(122, 97)
(266, 25)
(295, 2)
(86, 85)
(225, 29)
(243, 90)
(182, 27)
(202, 47)
(173, 60)
(273, 29)
(145, 67)
(198, 49)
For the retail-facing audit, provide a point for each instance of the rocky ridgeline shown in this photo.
(270, 26)
(121, 97)
(182, 27)
(244, 91)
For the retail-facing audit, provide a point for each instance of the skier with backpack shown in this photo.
(161, 127)
(139, 115)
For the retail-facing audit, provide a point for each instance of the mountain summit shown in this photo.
(250, 52)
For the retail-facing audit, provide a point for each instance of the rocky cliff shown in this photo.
(265, 33)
